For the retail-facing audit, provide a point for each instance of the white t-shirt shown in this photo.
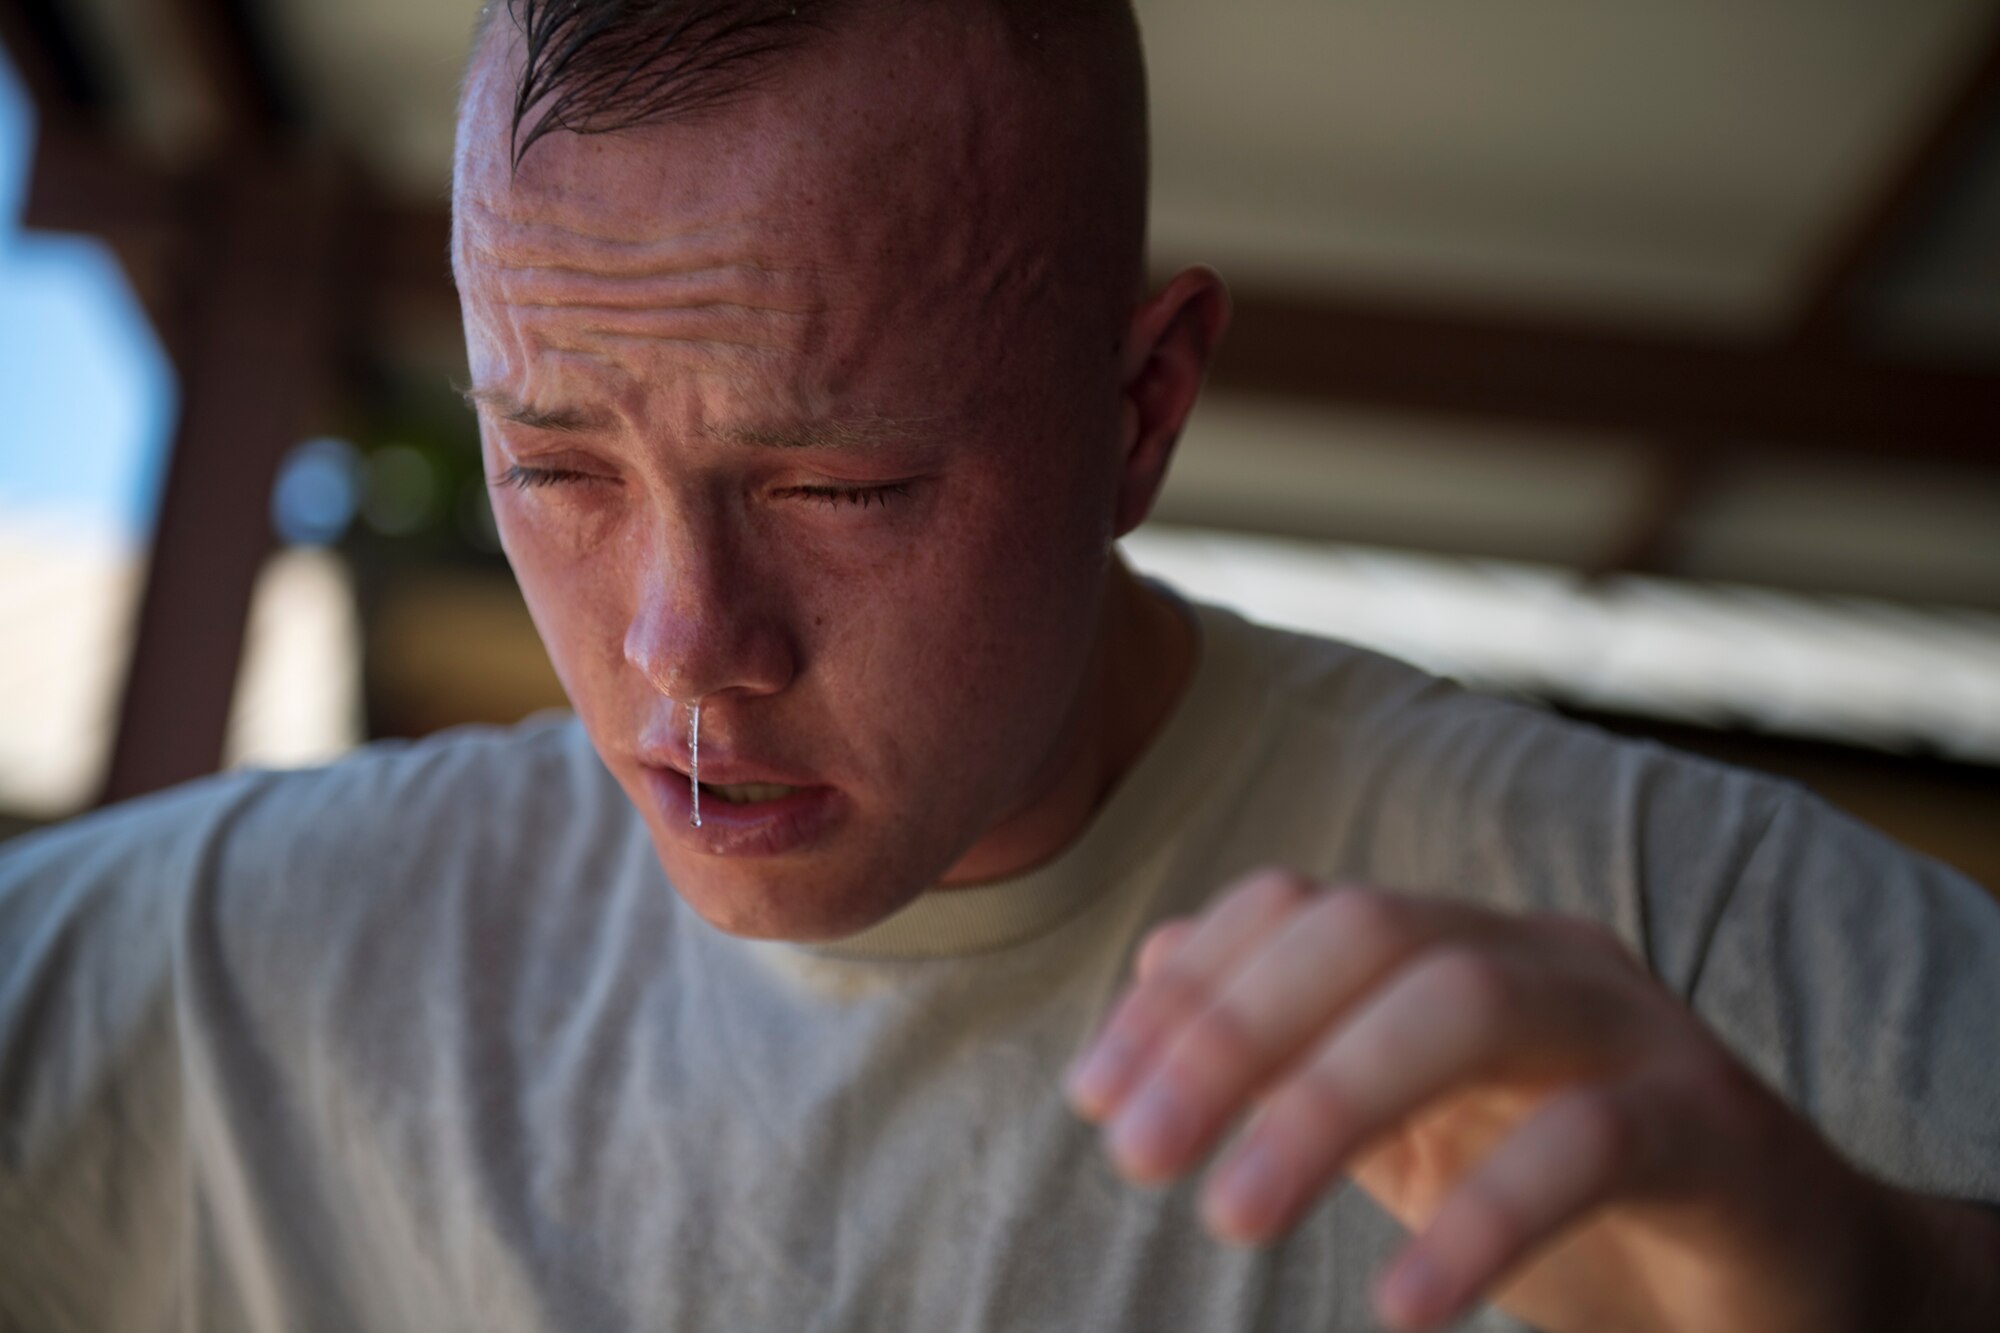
(425, 1041)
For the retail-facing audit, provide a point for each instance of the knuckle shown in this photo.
(1214, 1047)
(1274, 889)
(1315, 1108)
(1369, 919)
(1469, 980)
(1489, 1223)
(1598, 1131)
(1171, 996)
(1148, 1015)
(1159, 943)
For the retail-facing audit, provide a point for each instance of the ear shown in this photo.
(1168, 347)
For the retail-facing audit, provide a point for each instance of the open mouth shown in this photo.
(743, 818)
(748, 793)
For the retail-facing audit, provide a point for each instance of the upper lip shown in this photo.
(718, 766)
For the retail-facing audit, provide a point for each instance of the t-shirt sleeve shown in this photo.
(1863, 981)
(92, 1149)
(203, 994)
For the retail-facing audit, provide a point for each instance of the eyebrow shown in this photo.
(509, 408)
(858, 434)
(852, 435)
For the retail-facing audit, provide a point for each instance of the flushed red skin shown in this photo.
(868, 278)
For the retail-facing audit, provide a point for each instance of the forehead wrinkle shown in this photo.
(589, 315)
(510, 239)
(554, 271)
(686, 290)
(536, 289)
(590, 331)
(586, 308)
(689, 340)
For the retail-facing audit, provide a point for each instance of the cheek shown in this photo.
(982, 623)
(575, 598)
(1038, 549)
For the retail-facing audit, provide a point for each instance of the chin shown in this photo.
(805, 900)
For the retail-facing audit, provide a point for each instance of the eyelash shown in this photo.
(529, 478)
(861, 496)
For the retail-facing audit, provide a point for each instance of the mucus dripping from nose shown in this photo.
(694, 761)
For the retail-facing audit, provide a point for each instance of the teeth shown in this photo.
(743, 793)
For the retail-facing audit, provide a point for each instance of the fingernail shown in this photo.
(1414, 1290)
(1148, 1136)
(1248, 1193)
(1094, 1080)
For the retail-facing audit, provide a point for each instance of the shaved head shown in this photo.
(599, 66)
(615, 62)
(1018, 124)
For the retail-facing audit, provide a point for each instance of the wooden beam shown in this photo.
(402, 257)
(1349, 351)
(1624, 381)
(1681, 476)
(1485, 365)
(41, 43)
(1896, 203)
(1685, 472)
(239, 68)
(81, 181)
(239, 266)
(258, 349)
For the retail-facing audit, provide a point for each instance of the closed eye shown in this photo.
(527, 478)
(858, 496)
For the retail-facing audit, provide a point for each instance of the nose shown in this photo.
(703, 622)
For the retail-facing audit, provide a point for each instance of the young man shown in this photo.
(816, 379)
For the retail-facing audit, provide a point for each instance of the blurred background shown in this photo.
(1640, 359)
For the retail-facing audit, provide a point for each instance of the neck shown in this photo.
(1143, 658)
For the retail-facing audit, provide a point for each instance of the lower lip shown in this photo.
(755, 828)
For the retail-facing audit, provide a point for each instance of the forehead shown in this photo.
(896, 150)
(899, 222)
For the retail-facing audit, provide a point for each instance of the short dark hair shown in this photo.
(594, 66)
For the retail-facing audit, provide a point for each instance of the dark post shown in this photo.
(258, 347)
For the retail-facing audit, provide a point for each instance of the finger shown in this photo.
(1263, 1015)
(1450, 1015)
(1160, 944)
(1574, 1154)
(1103, 1074)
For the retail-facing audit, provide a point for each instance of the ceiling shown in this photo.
(1680, 161)
(1677, 162)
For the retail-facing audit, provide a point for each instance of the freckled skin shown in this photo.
(894, 239)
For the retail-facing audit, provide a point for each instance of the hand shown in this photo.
(1563, 1133)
